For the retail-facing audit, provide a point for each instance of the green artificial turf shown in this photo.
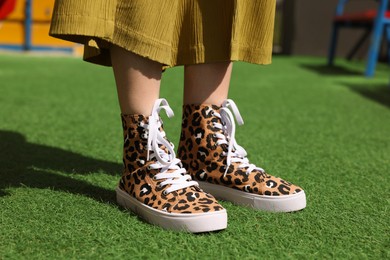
(327, 130)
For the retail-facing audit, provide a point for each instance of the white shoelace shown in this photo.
(170, 166)
(235, 152)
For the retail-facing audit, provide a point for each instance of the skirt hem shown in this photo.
(96, 44)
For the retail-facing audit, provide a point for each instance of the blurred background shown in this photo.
(24, 26)
(304, 27)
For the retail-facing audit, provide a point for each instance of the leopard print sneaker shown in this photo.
(210, 153)
(155, 186)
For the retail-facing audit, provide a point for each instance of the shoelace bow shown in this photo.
(170, 166)
(235, 153)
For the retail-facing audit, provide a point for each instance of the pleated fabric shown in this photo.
(172, 32)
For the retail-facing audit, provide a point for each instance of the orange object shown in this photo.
(366, 16)
(6, 7)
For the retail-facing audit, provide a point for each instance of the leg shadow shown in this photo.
(34, 165)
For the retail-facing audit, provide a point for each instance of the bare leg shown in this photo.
(207, 83)
(137, 80)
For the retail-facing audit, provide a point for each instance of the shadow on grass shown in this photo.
(32, 165)
(379, 93)
(332, 70)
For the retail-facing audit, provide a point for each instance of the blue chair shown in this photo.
(375, 22)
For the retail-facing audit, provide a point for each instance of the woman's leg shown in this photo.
(210, 153)
(153, 182)
(137, 80)
(207, 83)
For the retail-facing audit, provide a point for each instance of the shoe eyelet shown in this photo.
(165, 192)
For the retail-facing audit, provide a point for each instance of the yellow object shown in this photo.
(12, 29)
(172, 32)
(42, 10)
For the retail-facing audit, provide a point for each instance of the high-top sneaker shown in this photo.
(211, 155)
(155, 186)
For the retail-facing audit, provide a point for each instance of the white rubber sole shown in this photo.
(285, 203)
(194, 223)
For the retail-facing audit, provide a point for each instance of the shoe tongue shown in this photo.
(136, 135)
(161, 146)
(218, 120)
(203, 115)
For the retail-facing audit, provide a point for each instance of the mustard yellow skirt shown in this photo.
(172, 32)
